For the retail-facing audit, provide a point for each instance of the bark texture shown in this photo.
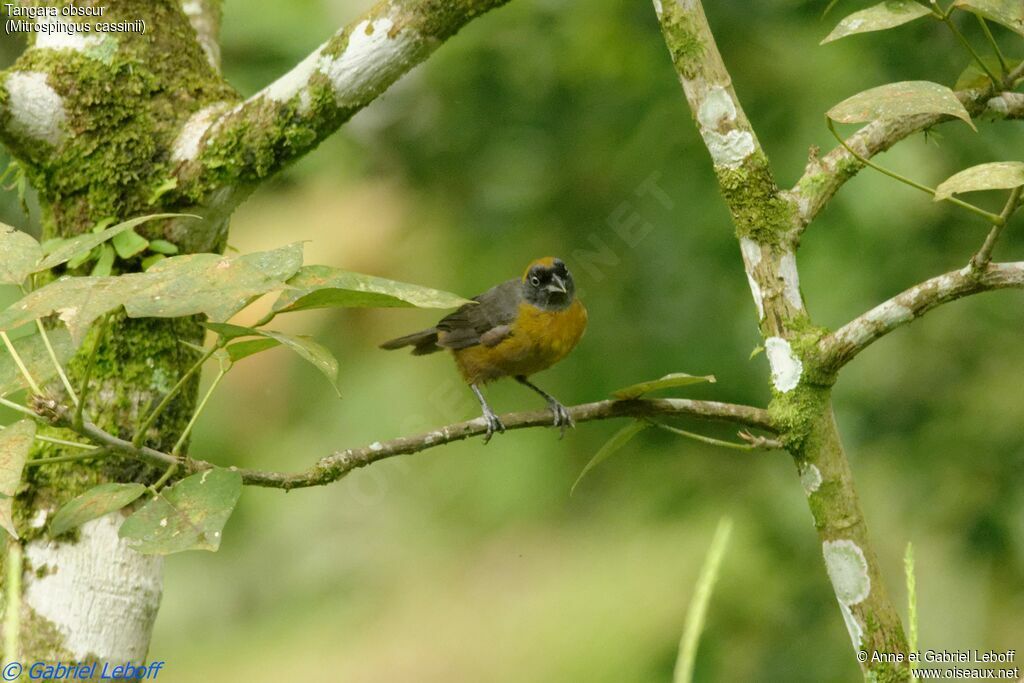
(112, 126)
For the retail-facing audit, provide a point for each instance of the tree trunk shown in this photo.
(93, 120)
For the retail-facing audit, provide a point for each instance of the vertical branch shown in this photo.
(204, 15)
(766, 222)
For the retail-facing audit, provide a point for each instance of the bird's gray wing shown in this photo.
(487, 322)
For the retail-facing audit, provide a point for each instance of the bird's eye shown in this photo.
(535, 281)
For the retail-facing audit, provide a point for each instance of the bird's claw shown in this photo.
(562, 417)
(493, 425)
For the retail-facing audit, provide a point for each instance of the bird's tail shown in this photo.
(423, 342)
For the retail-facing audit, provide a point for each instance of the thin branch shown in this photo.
(294, 114)
(995, 219)
(90, 365)
(198, 411)
(337, 465)
(1003, 65)
(984, 255)
(842, 345)
(970, 49)
(824, 176)
(750, 445)
(147, 422)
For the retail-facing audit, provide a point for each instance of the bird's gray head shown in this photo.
(548, 284)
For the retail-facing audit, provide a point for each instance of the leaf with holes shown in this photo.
(900, 100)
(218, 286)
(93, 504)
(79, 301)
(70, 248)
(327, 287)
(612, 446)
(15, 443)
(187, 516)
(675, 379)
(884, 15)
(36, 358)
(19, 253)
(999, 175)
(1009, 13)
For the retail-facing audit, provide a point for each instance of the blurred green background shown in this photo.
(536, 131)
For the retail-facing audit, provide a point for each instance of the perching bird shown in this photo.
(515, 329)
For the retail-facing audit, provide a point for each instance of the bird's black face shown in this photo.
(548, 284)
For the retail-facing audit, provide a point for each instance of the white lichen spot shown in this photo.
(38, 520)
(375, 56)
(848, 570)
(202, 479)
(717, 109)
(854, 24)
(755, 291)
(786, 366)
(731, 149)
(295, 81)
(35, 108)
(998, 105)
(790, 279)
(810, 478)
(852, 627)
(376, 446)
(186, 146)
(163, 522)
(57, 34)
(751, 252)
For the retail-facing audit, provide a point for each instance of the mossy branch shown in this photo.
(841, 346)
(825, 175)
(290, 117)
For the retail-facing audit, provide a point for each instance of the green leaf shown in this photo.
(307, 349)
(129, 243)
(152, 260)
(15, 443)
(1009, 13)
(675, 379)
(618, 440)
(163, 247)
(884, 15)
(69, 248)
(93, 504)
(36, 358)
(696, 614)
(19, 253)
(244, 349)
(218, 286)
(162, 189)
(312, 352)
(899, 100)
(229, 331)
(187, 516)
(105, 263)
(184, 285)
(973, 77)
(79, 301)
(327, 287)
(999, 175)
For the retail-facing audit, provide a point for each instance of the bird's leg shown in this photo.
(493, 423)
(562, 417)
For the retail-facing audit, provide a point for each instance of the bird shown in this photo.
(514, 329)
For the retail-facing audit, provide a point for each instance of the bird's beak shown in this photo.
(557, 285)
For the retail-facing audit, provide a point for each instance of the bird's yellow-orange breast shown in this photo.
(538, 340)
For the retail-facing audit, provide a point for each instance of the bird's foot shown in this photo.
(563, 419)
(493, 425)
